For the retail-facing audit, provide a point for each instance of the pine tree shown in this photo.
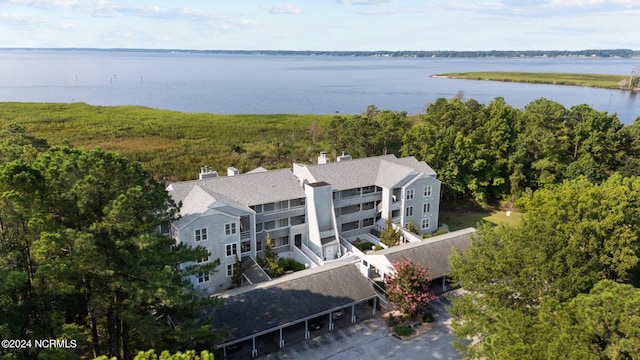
(389, 236)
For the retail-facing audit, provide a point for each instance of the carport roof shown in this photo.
(433, 252)
(256, 309)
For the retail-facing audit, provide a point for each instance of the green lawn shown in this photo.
(457, 220)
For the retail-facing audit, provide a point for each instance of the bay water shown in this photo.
(293, 84)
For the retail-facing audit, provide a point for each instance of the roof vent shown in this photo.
(207, 173)
(231, 171)
(343, 157)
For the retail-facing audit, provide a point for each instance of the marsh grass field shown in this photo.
(173, 145)
(592, 80)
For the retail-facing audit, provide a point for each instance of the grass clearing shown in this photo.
(462, 219)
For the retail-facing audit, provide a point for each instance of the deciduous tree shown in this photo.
(572, 236)
(408, 287)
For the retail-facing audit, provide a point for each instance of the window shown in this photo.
(256, 208)
(368, 189)
(201, 234)
(368, 205)
(259, 245)
(230, 229)
(230, 270)
(426, 207)
(258, 227)
(281, 241)
(203, 260)
(410, 194)
(293, 203)
(232, 249)
(350, 226)
(245, 246)
(367, 222)
(203, 277)
(425, 223)
(427, 191)
(297, 220)
(350, 193)
(408, 211)
(165, 228)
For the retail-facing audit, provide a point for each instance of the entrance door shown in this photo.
(328, 253)
(298, 240)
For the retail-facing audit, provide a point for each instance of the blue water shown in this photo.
(243, 84)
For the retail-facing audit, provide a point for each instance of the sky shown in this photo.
(362, 25)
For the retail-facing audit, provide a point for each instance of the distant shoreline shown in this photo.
(590, 53)
(602, 81)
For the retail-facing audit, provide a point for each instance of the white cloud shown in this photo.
(282, 9)
(49, 4)
(19, 19)
(67, 26)
(365, 2)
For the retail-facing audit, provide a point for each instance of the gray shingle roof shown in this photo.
(292, 298)
(361, 172)
(245, 189)
(390, 174)
(433, 252)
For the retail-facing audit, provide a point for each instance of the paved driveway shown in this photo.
(370, 340)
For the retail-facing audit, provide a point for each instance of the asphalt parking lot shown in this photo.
(370, 339)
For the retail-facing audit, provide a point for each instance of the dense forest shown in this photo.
(81, 258)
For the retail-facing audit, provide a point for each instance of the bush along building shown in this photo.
(313, 213)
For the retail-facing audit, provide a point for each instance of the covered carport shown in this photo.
(431, 252)
(283, 308)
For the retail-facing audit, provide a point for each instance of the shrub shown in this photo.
(365, 246)
(291, 265)
(428, 317)
(377, 247)
(402, 330)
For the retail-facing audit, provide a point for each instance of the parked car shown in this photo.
(338, 314)
(316, 324)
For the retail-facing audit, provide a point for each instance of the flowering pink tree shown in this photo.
(408, 287)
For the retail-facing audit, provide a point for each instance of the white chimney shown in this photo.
(323, 159)
(231, 171)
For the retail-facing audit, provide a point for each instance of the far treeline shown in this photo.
(604, 53)
(482, 152)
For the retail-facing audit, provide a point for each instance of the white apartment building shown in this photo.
(306, 210)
